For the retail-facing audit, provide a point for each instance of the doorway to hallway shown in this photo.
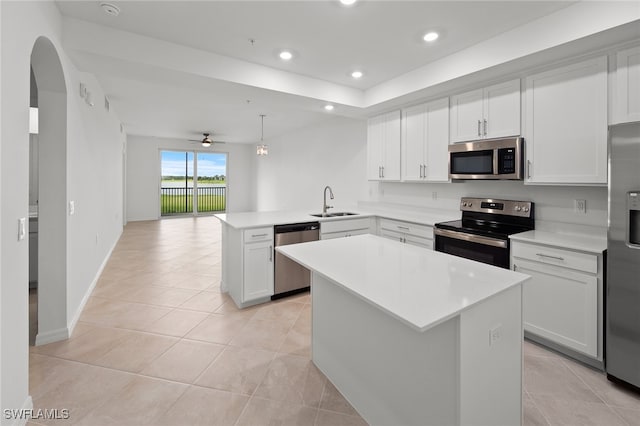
(192, 182)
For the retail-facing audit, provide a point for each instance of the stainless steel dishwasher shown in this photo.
(291, 277)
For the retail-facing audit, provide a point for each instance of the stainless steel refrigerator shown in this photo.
(622, 338)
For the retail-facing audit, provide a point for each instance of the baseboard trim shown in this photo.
(23, 416)
(74, 321)
(52, 336)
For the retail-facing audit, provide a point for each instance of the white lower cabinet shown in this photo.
(406, 232)
(562, 302)
(345, 228)
(247, 264)
(258, 270)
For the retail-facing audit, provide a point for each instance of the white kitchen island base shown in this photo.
(395, 375)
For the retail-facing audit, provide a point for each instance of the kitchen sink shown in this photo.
(335, 214)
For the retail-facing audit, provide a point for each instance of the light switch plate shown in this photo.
(22, 228)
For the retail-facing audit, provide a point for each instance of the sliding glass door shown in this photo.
(192, 182)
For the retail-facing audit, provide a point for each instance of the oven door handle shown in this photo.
(488, 241)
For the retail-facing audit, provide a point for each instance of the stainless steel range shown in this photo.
(483, 232)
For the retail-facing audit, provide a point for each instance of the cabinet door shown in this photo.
(375, 135)
(502, 110)
(466, 116)
(566, 124)
(436, 151)
(413, 142)
(560, 305)
(391, 147)
(258, 270)
(627, 97)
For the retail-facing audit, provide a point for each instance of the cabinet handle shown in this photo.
(479, 128)
(514, 267)
(528, 169)
(379, 172)
(382, 167)
(400, 238)
(402, 227)
(404, 240)
(485, 127)
(258, 235)
(550, 257)
(270, 253)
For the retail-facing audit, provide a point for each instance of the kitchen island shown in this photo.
(411, 336)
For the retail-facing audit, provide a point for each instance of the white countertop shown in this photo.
(420, 287)
(594, 243)
(269, 218)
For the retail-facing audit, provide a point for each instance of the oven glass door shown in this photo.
(472, 162)
(497, 256)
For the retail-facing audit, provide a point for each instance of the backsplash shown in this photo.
(554, 204)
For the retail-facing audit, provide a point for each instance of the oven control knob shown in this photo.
(470, 204)
(526, 209)
(518, 208)
(464, 204)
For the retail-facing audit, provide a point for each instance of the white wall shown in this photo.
(554, 204)
(143, 174)
(94, 173)
(301, 164)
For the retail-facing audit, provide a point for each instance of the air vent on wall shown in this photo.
(106, 103)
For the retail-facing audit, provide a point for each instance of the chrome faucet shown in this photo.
(324, 205)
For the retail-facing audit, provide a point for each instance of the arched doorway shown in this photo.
(52, 192)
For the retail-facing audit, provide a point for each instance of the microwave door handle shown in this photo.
(496, 170)
(485, 126)
(479, 128)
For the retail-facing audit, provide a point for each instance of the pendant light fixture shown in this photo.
(262, 148)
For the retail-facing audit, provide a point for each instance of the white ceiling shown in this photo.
(382, 38)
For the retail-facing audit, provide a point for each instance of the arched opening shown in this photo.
(51, 200)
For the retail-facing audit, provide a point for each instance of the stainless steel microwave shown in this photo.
(487, 159)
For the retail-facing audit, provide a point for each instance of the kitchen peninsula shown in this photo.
(412, 336)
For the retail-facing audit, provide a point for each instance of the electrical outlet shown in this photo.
(580, 206)
(495, 334)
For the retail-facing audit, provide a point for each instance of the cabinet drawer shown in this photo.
(554, 256)
(343, 234)
(258, 234)
(414, 229)
(345, 225)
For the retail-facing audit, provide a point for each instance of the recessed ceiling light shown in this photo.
(431, 36)
(328, 107)
(356, 74)
(347, 2)
(285, 55)
(110, 9)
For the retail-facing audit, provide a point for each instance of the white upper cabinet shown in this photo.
(425, 138)
(487, 113)
(566, 124)
(383, 147)
(627, 96)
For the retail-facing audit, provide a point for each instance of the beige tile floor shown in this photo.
(159, 344)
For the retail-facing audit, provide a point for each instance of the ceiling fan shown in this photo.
(206, 141)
